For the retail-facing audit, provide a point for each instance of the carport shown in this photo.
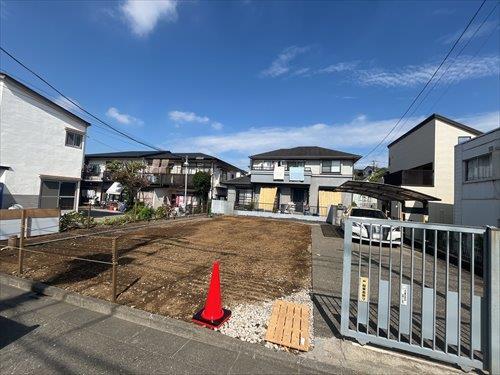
(389, 193)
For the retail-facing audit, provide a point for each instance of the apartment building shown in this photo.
(299, 179)
(477, 181)
(422, 159)
(166, 173)
(42, 149)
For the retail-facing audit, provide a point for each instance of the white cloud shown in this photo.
(143, 15)
(217, 125)
(281, 65)
(463, 68)
(482, 121)
(180, 117)
(359, 134)
(487, 28)
(123, 118)
(339, 67)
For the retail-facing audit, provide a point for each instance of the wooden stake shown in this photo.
(22, 231)
(114, 255)
(88, 215)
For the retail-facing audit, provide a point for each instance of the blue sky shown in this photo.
(236, 78)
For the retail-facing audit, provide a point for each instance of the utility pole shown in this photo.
(186, 164)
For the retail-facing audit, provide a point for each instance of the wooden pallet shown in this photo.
(289, 325)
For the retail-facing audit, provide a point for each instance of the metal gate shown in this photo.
(423, 288)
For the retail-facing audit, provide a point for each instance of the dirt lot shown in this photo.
(166, 268)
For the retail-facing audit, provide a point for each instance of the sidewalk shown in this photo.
(42, 335)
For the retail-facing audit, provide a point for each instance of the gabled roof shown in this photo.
(7, 77)
(305, 152)
(125, 154)
(192, 156)
(435, 116)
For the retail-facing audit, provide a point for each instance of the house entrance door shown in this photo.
(299, 197)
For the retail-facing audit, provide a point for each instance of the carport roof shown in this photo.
(384, 191)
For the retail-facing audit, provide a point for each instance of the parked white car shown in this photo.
(362, 230)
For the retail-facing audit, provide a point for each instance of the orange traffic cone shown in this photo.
(213, 315)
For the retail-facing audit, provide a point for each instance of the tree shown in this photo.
(202, 183)
(129, 174)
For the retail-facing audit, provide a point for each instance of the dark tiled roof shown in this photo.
(435, 116)
(305, 152)
(240, 181)
(192, 156)
(125, 154)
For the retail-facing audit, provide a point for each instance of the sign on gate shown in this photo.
(363, 289)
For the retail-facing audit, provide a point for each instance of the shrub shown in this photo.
(74, 219)
(161, 213)
(117, 220)
(145, 213)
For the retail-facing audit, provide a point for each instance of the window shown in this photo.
(296, 163)
(330, 166)
(464, 139)
(478, 168)
(244, 196)
(74, 139)
(57, 194)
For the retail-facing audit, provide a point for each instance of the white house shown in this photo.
(42, 149)
(165, 172)
(477, 181)
(422, 159)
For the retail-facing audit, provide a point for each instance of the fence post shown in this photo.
(492, 283)
(22, 230)
(88, 215)
(114, 257)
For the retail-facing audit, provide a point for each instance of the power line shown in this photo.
(77, 105)
(96, 127)
(102, 143)
(450, 65)
(428, 82)
(466, 68)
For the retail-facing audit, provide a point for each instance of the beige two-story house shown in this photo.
(422, 159)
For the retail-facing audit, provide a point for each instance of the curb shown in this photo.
(163, 323)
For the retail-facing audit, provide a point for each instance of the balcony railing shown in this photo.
(271, 168)
(96, 175)
(169, 179)
(411, 177)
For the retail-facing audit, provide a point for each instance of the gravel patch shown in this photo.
(248, 322)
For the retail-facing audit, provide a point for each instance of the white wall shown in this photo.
(415, 149)
(477, 203)
(434, 142)
(33, 136)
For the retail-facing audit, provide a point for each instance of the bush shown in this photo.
(74, 219)
(145, 213)
(161, 213)
(117, 220)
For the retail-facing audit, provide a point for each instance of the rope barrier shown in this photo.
(50, 253)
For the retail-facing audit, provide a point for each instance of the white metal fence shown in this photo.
(428, 297)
